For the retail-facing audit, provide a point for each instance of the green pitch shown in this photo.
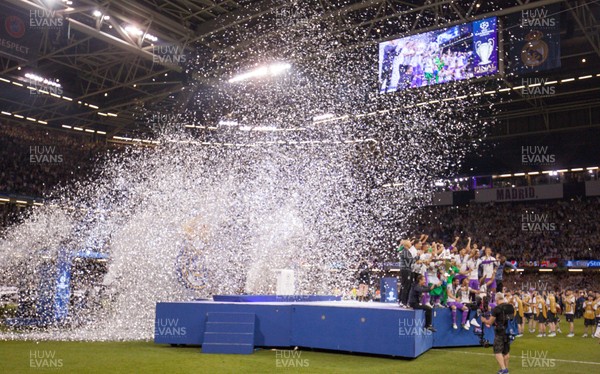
(529, 355)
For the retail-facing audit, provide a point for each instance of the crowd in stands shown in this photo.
(67, 156)
(522, 231)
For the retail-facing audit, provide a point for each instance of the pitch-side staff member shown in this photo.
(499, 318)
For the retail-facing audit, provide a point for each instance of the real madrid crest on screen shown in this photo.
(191, 271)
(535, 51)
(190, 263)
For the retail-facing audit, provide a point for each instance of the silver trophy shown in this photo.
(484, 50)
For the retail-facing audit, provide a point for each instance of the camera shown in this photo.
(507, 314)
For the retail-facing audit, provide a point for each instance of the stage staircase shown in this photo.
(229, 333)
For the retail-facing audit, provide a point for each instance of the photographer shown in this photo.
(499, 318)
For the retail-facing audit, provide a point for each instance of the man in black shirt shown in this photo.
(499, 318)
(414, 300)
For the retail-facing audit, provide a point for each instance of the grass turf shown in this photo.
(562, 354)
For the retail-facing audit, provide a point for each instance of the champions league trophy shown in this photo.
(484, 50)
(285, 282)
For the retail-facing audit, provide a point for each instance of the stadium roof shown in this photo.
(108, 61)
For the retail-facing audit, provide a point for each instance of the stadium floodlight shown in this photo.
(137, 32)
(134, 30)
(263, 71)
(42, 80)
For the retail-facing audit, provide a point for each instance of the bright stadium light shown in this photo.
(137, 32)
(42, 80)
(263, 71)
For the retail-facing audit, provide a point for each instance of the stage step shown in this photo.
(231, 333)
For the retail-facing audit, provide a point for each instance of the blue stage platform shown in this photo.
(349, 326)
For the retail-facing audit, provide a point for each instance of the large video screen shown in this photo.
(453, 54)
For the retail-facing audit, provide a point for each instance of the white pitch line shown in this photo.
(511, 356)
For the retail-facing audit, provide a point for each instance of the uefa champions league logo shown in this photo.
(391, 296)
(484, 26)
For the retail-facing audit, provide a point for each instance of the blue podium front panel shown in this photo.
(272, 327)
(446, 336)
(386, 331)
(179, 323)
